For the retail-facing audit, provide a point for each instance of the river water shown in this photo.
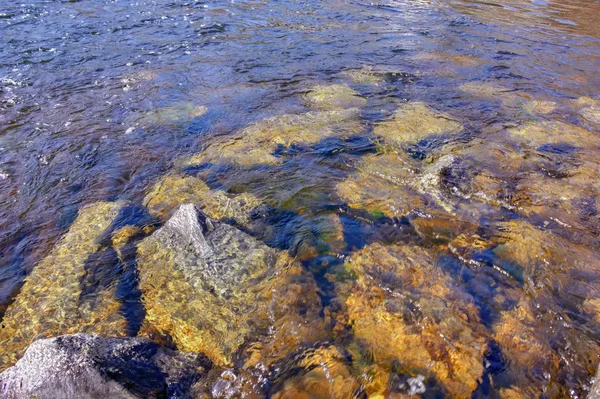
(100, 99)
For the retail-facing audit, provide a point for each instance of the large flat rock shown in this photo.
(211, 288)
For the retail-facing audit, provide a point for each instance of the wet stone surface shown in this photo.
(213, 288)
(52, 301)
(91, 366)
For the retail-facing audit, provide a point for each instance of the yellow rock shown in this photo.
(383, 186)
(436, 334)
(539, 107)
(333, 96)
(552, 132)
(415, 121)
(589, 109)
(438, 58)
(123, 235)
(172, 191)
(365, 75)
(50, 302)
(489, 90)
(523, 343)
(323, 234)
(256, 144)
(173, 114)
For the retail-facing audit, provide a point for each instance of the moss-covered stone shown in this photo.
(415, 121)
(50, 302)
(212, 288)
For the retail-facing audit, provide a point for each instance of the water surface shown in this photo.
(100, 99)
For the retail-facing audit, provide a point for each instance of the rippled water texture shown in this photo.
(425, 173)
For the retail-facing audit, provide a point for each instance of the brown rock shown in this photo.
(402, 308)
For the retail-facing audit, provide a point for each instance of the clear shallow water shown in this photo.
(98, 100)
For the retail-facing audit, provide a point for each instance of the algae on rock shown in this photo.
(589, 109)
(213, 288)
(172, 114)
(50, 302)
(325, 373)
(382, 186)
(553, 132)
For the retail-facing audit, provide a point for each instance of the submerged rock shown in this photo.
(415, 121)
(438, 58)
(553, 132)
(51, 301)
(365, 75)
(383, 186)
(402, 311)
(172, 191)
(589, 109)
(315, 373)
(333, 96)
(539, 107)
(490, 91)
(323, 234)
(172, 114)
(91, 366)
(212, 288)
(257, 143)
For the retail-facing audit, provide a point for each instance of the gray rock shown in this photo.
(91, 366)
(211, 288)
(217, 256)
